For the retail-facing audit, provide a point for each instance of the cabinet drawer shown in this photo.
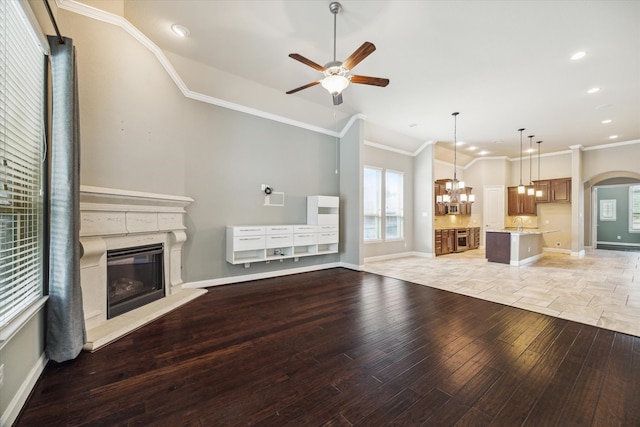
(304, 228)
(248, 231)
(327, 228)
(280, 229)
(305, 239)
(248, 243)
(279, 240)
(327, 238)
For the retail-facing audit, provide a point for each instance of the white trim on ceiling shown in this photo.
(110, 18)
(113, 19)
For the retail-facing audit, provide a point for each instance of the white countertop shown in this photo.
(524, 231)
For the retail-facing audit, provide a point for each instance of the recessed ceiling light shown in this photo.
(472, 148)
(594, 90)
(603, 106)
(578, 55)
(459, 143)
(483, 152)
(606, 122)
(613, 136)
(180, 30)
(530, 150)
(497, 142)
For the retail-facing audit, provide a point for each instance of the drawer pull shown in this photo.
(250, 238)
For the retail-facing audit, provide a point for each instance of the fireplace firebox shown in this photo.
(135, 277)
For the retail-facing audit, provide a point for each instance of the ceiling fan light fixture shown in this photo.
(335, 83)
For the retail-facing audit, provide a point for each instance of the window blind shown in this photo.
(21, 162)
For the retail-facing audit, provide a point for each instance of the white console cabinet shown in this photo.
(257, 243)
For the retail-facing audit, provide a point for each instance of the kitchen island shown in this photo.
(514, 246)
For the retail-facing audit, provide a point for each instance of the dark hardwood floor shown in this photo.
(338, 347)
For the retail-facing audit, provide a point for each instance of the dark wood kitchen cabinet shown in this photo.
(521, 204)
(554, 190)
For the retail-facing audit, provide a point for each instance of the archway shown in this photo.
(590, 208)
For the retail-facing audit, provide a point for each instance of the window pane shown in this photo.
(634, 208)
(21, 162)
(372, 204)
(394, 210)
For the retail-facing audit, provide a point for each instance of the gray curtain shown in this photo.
(65, 319)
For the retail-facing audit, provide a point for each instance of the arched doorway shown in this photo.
(607, 179)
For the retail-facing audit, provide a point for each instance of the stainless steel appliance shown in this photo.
(462, 240)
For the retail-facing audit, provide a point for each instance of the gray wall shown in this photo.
(423, 198)
(608, 231)
(351, 222)
(140, 133)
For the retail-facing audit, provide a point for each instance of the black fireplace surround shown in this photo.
(135, 277)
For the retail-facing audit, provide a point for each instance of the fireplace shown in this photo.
(114, 224)
(135, 277)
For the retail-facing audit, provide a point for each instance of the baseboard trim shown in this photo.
(10, 415)
(558, 250)
(398, 255)
(266, 275)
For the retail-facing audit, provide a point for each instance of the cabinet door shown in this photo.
(544, 187)
(561, 190)
(520, 204)
(513, 201)
(439, 190)
(528, 204)
(438, 242)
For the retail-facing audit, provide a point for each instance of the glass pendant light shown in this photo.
(521, 189)
(530, 189)
(539, 191)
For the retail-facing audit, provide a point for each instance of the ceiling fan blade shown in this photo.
(337, 99)
(306, 61)
(356, 57)
(366, 80)
(302, 87)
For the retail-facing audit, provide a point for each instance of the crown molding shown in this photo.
(113, 19)
(612, 145)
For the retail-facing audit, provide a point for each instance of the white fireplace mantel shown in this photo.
(115, 219)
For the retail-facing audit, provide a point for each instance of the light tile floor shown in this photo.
(600, 289)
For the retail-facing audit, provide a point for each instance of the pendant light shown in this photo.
(455, 186)
(521, 188)
(538, 191)
(530, 189)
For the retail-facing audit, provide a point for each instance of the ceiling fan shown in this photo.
(336, 77)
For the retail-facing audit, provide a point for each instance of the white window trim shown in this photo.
(632, 230)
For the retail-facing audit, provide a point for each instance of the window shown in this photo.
(372, 204)
(21, 162)
(394, 221)
(634, 209)
(392, 224)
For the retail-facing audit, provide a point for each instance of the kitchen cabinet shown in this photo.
(445, 241)
(439, 190)
(554, 190)
(521, 204)
(474, 238)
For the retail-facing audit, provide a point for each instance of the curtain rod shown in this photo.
(53, 21)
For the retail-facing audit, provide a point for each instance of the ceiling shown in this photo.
(503, 65)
